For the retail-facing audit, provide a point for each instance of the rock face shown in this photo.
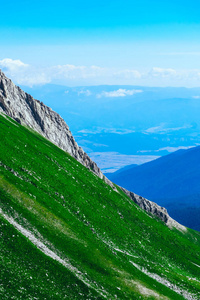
(30, 112)
(149, 206)
(155, 209)
(25, 110)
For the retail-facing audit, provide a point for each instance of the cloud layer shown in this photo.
(68, 74)
(161, 129)
(12, 65)
(119, 93)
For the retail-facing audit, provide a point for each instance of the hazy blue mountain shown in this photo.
(92, 109)
(121, 170)
(171, 181)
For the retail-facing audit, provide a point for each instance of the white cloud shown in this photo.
(73, 72)
(72, 75)
(119, 93)
(33, 78)
(128, 74)
(12, 65)
(25, 74)
(196, 97)
(67, 71)
(172, 77)
(161, 129)
(106, 130)
(160, 72)
(86, 93)
(22, 73)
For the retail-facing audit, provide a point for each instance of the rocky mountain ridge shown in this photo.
(23, 108)
(154, 209)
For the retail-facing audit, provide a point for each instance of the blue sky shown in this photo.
(101, 42)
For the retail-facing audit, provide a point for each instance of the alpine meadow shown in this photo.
(67, 234)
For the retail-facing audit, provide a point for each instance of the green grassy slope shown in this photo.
(65, 234)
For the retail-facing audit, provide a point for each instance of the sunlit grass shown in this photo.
(98, 230)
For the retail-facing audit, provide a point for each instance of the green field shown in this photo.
(65, 234)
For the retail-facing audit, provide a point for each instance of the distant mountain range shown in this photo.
(171, 181)
(104, 119)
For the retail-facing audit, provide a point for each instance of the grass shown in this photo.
(98, 231)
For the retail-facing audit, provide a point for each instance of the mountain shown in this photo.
(25, 110)
(120, 170)
(171, 181)
(66, 234)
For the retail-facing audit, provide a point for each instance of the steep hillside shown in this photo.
(25, 110)
(66, 234)
(171, 181)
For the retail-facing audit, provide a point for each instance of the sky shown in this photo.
(133, 42)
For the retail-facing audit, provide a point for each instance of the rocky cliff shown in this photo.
(23, 108)
(154, 209)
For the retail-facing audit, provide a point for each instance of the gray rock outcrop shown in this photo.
(147, 205)
(154, 209)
